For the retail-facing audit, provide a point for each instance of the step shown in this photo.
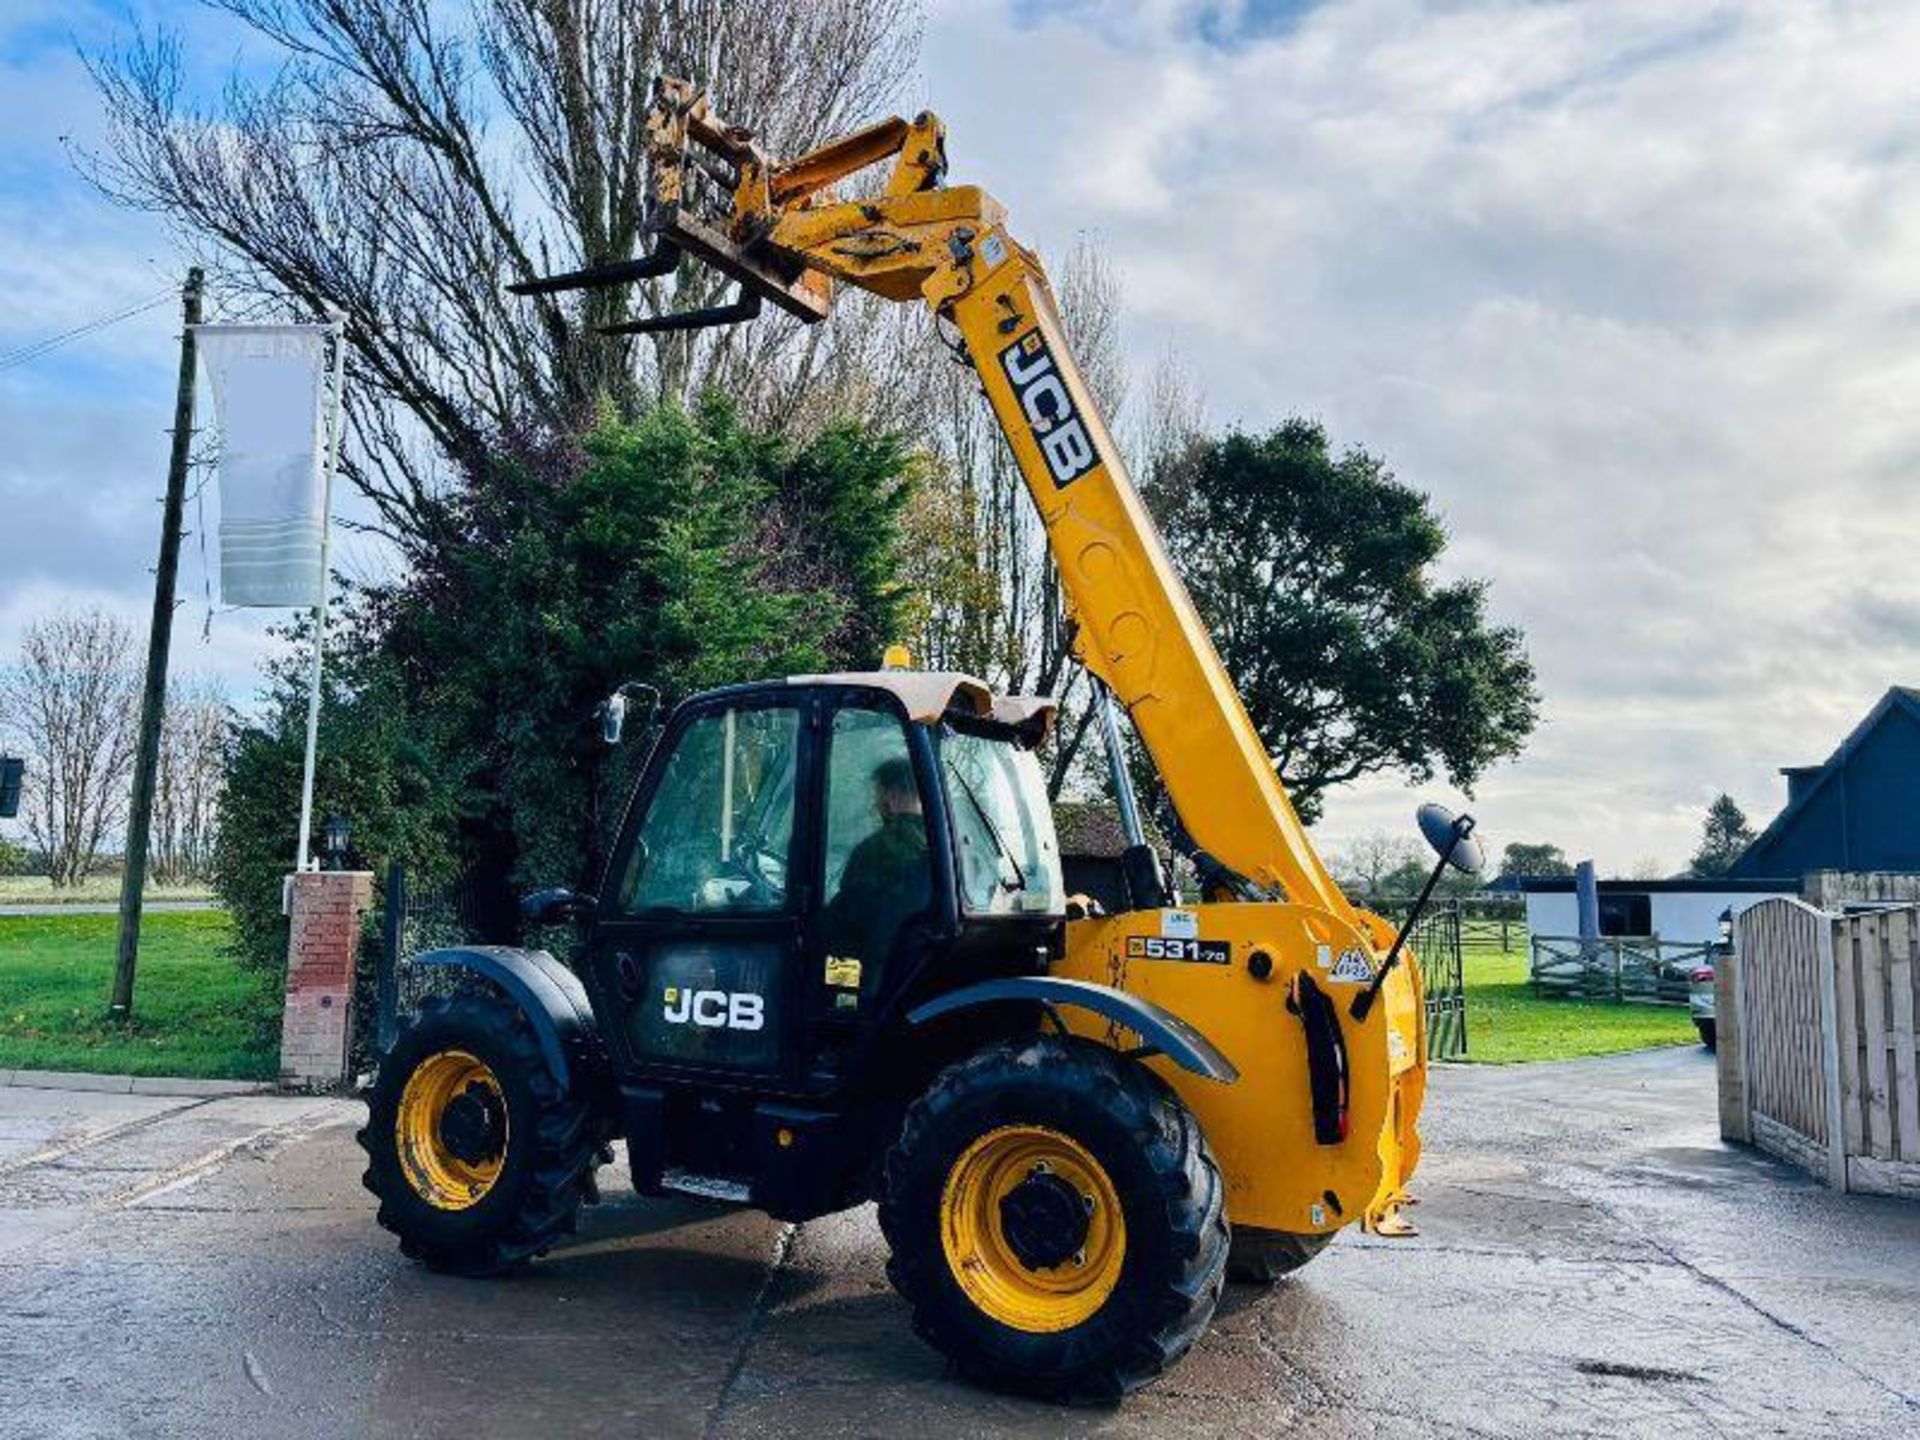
(707, 1187)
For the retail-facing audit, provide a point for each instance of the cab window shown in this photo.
(877, 872)
(718, 832)
(1006, 855)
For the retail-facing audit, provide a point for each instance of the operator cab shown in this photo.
(804, 860)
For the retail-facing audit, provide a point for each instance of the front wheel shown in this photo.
(1056, 1220)
(479, 1157)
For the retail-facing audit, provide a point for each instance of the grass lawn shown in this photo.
(1507, 1023)
(94, 890)
(196, 1013)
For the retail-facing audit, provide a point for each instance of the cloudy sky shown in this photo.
(1629, 288)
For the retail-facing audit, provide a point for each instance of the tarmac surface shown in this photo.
(1593, 1261)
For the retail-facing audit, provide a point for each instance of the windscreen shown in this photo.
(1006, 856)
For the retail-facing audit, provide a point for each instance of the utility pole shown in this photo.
(153, 699)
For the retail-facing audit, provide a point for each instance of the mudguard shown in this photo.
(547, 992)
(1158, 1028)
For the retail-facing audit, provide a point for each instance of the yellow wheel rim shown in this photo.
(451, 1172)
(985, 1256)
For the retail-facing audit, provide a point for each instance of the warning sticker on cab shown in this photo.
(1180, 924)
(1351, 969)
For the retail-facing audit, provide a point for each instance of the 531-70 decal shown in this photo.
(1165, 947)
(1046, 401)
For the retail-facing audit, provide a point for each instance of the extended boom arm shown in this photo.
(785, 237)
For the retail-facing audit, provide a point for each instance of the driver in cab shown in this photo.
(886, 880)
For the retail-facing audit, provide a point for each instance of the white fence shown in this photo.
(1818, 1057)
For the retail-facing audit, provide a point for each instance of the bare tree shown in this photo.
(993, 602)
(193, 740)
(71, 703)
(1365, 863)
(408, 159)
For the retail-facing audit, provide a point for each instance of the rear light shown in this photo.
(1702, 975)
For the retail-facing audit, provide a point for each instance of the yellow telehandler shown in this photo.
(831, 960)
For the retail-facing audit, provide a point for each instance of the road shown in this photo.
(1592, 1262)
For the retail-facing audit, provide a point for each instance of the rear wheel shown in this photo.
(1260, 1257)
(1056, 1220)
(480, 1159)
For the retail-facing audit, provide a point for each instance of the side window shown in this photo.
(719, 830)
(877, 872)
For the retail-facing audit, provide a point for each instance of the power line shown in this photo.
(53, 342)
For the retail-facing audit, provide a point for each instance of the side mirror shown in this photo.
(613, 717)
(551, 907)
(1451, 837)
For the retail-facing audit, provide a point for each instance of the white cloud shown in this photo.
(1628, 288)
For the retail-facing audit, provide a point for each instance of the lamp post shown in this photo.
(335, 835)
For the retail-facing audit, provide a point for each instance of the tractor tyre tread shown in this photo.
(1167, 1181)
(1261, 1257)
(538, 1198)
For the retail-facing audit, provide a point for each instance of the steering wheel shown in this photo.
(754, 861)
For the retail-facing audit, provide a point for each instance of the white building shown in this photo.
(1684, 911)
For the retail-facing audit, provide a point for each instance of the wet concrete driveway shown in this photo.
(1592, 1261)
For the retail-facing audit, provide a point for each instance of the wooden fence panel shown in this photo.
(1906, 1084)
(1873, 1030)
(1828, 1054)
(1779, 944)
(1624, 969)
(1847, 946)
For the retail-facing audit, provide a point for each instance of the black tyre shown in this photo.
(1709, 1033)
(1260, 1257)
(1056, 1220)
(480, 1159)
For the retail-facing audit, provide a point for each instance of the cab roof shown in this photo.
(928, 695)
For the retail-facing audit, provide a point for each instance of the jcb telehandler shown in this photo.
(831, 960)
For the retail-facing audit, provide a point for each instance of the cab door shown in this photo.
(701, 923)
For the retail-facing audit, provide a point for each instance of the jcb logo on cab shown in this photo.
(715, 1009)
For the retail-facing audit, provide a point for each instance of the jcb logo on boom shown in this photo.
(1042, 392)
(715, 1009)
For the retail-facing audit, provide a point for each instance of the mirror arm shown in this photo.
(1363, 1002)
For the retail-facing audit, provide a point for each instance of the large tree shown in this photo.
(684, 550)
(1315, 571)
(1522, 858)
(404, 161)
(1724, 837)
(70, 704)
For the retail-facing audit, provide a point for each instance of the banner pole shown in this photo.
(303, 856)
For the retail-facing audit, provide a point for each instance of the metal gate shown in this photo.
(412, 917)
(1436, 941)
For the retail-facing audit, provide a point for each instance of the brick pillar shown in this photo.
(325, 909)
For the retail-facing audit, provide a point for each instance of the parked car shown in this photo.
(1700, 1004)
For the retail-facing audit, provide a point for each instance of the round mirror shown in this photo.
(1451, 837)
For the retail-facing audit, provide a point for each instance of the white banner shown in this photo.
(269, 384)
